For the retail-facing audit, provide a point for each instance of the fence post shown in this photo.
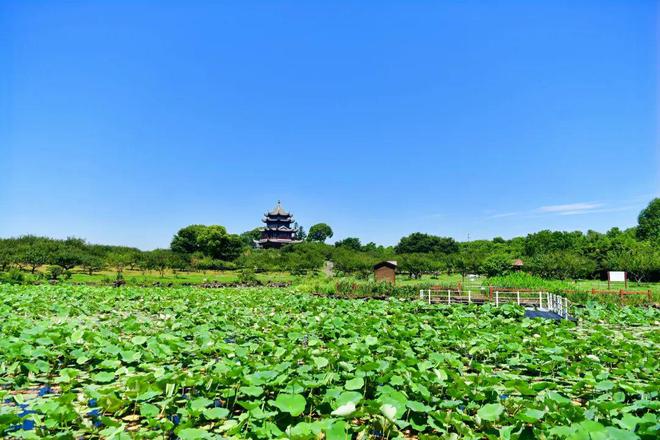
(490, 293)
(540, 300)
(593, 291)
(648, 295)
(448, 296)
(429, 296)
(621, 295)
(497, 298)
(518, 297)
(565, 308)
(470, 296)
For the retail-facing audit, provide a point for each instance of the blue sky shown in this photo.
(121, 122)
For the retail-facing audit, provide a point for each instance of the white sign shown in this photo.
(616, 275)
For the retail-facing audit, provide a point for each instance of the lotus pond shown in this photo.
(83, 362)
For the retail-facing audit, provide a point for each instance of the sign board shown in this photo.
(616, 275)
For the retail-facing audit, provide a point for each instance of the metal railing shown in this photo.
(544, 301)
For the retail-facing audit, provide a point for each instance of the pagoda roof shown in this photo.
(269, 218)
(279, 228)
(277, 240)
(278, 210)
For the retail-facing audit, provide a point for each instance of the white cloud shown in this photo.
(570, 208)
(567, 209)
(504, 214)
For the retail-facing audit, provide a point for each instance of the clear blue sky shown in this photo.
(121, 122)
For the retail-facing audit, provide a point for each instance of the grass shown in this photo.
(320, 282)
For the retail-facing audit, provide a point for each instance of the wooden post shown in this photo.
(648, 295)
(490, 293)
(593, 291)
(621, 295)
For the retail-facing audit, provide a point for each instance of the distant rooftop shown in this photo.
(278, 210)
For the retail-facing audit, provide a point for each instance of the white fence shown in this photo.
(544, 301)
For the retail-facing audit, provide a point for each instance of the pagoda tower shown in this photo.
(278, 230)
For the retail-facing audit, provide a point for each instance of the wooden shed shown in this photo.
(518, 264)
(385, 271)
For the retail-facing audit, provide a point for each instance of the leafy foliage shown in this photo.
(649, 222)
(319, 232)
(418, 242)
(260, 363)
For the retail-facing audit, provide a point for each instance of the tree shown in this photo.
(496, 264)
(418, 242)
(641, 260)
(67, 257)
(546, 241)
(352, 262)
(300, 233)
(91, 263)
(212, 241)
(215, 242)
(649, 223)
(7, 254)
(319, 232)
(118, 259)
(249, 237)
(159, 259)
(34, 255)
(417, 264)
(350, 243)
(186, 241)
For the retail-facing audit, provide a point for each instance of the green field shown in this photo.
(88, 362)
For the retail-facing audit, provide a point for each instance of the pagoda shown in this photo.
(278, 230)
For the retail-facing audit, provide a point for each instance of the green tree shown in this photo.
(34, 255)
(417, 264)
(7, 253)
(496, 264)
(186, 241)
(300, 233)
(319, 232)
(641, 260)
(350, 243)
(649, 223)
(212, 241)
(119, 260)
(66, 256)
(349, 261)
(91, 263)
(249, 237)
(160, 260)
(418, 242)
(215, 242)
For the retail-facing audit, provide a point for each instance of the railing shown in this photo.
(545, 301)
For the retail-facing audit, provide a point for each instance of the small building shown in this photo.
(385, 271)
(518, 264)
(278, 230)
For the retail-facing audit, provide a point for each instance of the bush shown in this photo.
(14, 276)
(247, 276)
(54, 272)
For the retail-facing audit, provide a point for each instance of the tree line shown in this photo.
(549, 254)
